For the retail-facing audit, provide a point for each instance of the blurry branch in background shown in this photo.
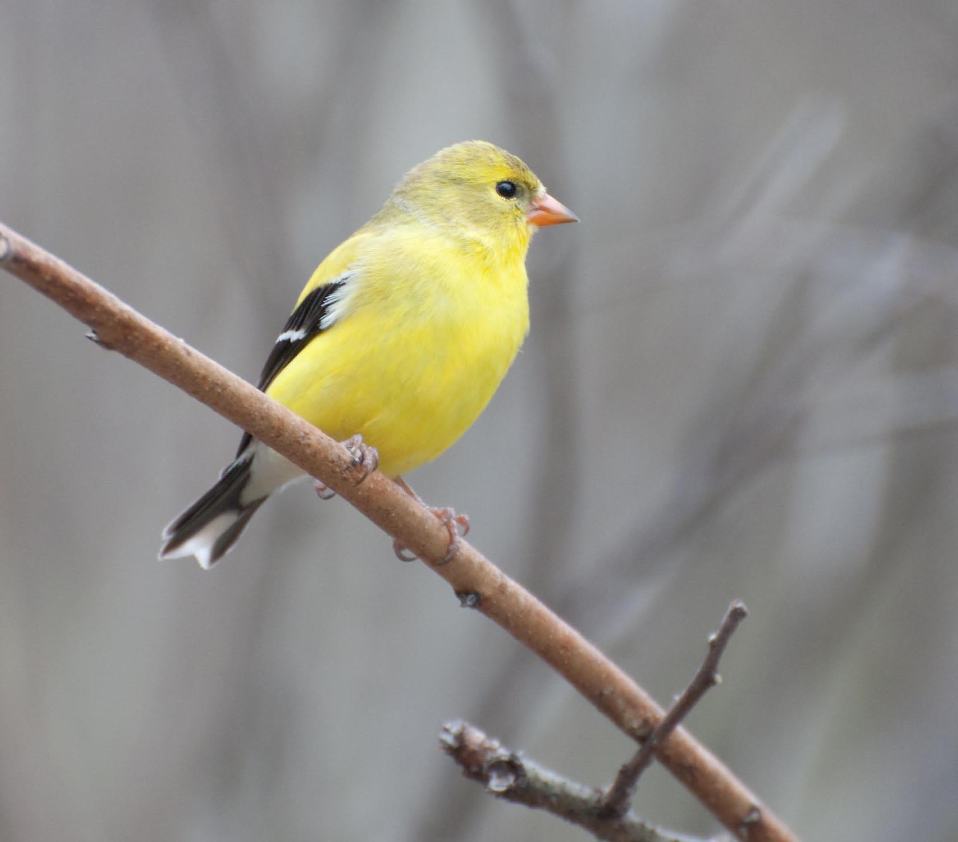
(478, 582)
(245, 147)
(509, 775)
(857, 286)
(202, 66)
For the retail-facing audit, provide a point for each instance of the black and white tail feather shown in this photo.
(210, 527)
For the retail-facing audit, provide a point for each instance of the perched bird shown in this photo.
(400, 337)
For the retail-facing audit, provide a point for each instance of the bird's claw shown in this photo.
(364, 456)
(403, 553)
(457, 525)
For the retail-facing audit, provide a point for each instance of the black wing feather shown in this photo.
(303, 325)
(300, 328)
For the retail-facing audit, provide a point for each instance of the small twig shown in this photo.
(620, 794)
(509, 775)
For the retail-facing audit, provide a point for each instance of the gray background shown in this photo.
(742, 380)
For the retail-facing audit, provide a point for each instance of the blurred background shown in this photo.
(741, 381)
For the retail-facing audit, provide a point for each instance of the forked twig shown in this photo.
(621, 792)
(513, 777)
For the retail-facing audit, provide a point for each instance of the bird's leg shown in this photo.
(365, 458)
(457, 525)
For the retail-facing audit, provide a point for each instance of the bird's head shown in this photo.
(482, 192)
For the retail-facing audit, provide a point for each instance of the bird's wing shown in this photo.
(317, 310)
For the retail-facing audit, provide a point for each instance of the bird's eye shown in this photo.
(506, 189)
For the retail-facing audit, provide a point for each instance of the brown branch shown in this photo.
(509, 775)
(120, 328)
(620, 794)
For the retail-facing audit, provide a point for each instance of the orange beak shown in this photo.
(548, 211)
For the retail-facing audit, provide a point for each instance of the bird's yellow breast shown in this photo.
(424, 341)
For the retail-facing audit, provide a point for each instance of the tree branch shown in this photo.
(509, 775)
(118, 327)
(620, 794)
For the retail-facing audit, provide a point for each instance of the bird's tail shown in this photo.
(209, 527)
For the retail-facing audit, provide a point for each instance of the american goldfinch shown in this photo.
(402, 334)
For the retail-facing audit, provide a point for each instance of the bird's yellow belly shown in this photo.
(411, 390)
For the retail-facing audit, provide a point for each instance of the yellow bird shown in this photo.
(401, 336)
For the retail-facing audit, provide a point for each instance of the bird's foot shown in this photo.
(364, 460)
(365, 457)
(457, 525)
